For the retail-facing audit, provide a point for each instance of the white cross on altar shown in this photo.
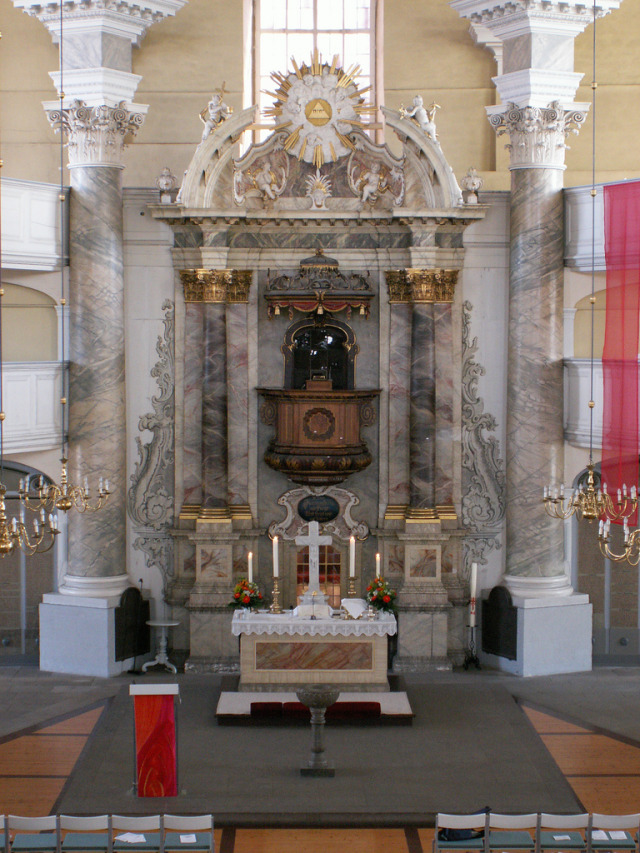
(314, 540)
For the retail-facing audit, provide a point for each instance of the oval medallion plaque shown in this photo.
(320, 508)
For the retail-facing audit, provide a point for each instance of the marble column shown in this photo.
(237, 404)
(399, 401)
(444, 368)
(97, 437)
(422, 407)
(214, 408)
(97, 428)
(535, 441)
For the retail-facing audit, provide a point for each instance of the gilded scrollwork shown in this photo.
(229, 286)
(421, 285)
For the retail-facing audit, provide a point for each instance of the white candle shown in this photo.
(473, 581)
(377, 565)
(352, 556)
(250, 566)
(276, 570)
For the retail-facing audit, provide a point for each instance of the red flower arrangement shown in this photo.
(380, 595)
(246, 594)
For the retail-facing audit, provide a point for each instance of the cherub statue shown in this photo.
(214, 113)
(424, 116)
(371, 182)
(265, 180)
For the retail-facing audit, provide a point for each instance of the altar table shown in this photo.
(282, 651)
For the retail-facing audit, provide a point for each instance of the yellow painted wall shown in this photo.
(427, 49)
(29, 325)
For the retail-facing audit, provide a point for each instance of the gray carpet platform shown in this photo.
(470, 746)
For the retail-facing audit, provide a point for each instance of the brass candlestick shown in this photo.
(276, 606)
(351, 589)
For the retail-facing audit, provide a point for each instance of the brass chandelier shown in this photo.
(62, 496)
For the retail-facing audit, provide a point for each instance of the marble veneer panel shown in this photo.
(535, 391)
(192, 451)
(237, 404)
(444, 404)
(422, 410)
(399, 396)
(214, 407)
(292, 655)
(96, 393)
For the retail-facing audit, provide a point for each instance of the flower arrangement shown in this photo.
(380, 595)
(246, 594)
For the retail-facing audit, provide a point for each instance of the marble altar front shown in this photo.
(284, 651)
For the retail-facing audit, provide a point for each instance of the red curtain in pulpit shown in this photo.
(620, 352)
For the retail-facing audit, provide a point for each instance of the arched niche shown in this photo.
(320, 348)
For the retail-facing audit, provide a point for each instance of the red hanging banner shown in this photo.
(620, 351)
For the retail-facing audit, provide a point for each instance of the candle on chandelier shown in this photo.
(473, 582)
(377, 565)
(276, 568)
(352, 556)
(250, 566)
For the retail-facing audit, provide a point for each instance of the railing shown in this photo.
(32, 405)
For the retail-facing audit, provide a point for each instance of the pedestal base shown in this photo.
(328, 772)
(77, 636)
(554, 636)
(422, 641)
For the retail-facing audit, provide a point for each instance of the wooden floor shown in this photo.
(603, 770)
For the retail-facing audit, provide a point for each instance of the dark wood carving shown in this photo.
(318, 440)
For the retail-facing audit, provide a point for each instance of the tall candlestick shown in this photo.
(250, 566)
(276, 570)
(377, 565)
(473, 581)
(352, 556)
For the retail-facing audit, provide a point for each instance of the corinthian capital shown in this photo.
(96, 135)
(537, 135)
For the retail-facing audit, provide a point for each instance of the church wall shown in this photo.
(183, 58)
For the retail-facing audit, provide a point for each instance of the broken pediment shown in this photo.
(319, 156)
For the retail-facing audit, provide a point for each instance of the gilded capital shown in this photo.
(417, 286)
(226, 286)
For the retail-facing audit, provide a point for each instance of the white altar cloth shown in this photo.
(270, 623)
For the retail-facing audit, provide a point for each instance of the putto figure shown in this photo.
(214, 113)
(424, 116)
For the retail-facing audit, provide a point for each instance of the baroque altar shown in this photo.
(318, 365)
(284, 651)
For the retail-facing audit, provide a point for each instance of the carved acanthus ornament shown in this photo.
(538, 135)
(96, 136)
(227, 286)
(483, 476)
(416, 286)
(150, 498)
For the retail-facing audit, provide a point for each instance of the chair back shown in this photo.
(461, 821)
(184, 823)
(47, 823)
(615, 821)
(564, 821)
(95, 823)
(513, 821)
(147, 823)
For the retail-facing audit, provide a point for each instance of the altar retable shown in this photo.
(313, 643)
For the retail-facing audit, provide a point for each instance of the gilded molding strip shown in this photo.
(419, 515)
(420, 286)
(226, 286)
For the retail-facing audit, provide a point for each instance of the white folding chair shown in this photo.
(34, 834)
(145, 833)
(86, 834)
(613, 832)
(473, 825)
(511, 832)
(194, 832)
(558, 832)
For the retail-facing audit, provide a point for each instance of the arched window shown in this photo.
(329, 573)
(286, 28)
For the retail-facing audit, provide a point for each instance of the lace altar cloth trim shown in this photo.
(269, 623)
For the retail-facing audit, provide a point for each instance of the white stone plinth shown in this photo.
(554, 636)
(77, 636)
